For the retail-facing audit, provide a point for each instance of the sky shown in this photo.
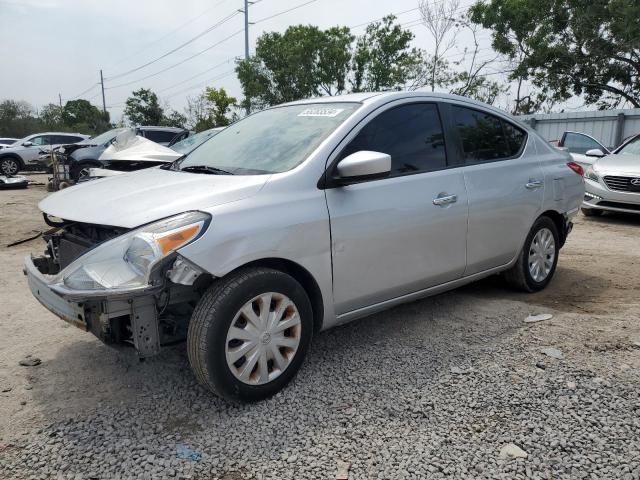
(51, 47)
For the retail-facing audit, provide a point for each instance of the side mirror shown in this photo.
(27, 144)
(595, 152)
(364, 165)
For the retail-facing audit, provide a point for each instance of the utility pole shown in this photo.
(60, 100)
(246, 38)
(246, 29)
(104, 104)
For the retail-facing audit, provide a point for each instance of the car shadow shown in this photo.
(615, 218)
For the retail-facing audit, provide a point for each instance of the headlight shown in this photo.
(126, 262)
(590, 174)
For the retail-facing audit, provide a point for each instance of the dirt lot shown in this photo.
(434, 388)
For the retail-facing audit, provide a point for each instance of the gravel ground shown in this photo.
(434, 389)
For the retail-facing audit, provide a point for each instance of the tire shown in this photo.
(521, 275)
(9, 166)
(213, 346)
(591, 212)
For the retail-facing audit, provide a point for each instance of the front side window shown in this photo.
(271, 141)
(40, 140)
(411, 134)
(486, 137)
(578, 143)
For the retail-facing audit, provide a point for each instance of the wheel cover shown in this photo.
(9, 166)
(263, 338)
(542, 253)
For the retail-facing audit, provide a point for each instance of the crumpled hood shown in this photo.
(129, 147)
(136, 198)
(618, 164)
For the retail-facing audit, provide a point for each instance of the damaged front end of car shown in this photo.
(126, 286)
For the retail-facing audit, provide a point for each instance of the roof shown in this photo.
(383, 97)
(60, 133)
(166, 129)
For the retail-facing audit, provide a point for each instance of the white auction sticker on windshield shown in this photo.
(320, 112)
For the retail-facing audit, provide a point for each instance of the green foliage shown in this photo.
(174, 119)
(212, 108)
(569, 47)
(18, 119)
(143, 108)
(82, 113)
(301, 63)
(384, 60)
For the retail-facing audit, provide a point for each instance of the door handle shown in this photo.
(442, 200)
(533, 184)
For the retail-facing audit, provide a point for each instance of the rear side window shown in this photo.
(411, 134)
(159, 136)
(486, 137)
(63, 139)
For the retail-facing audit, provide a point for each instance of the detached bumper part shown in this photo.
(112, 320)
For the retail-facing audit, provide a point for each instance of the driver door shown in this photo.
(393, 236)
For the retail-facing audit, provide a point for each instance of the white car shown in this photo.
(6, 142)
(612, 183)
(25, 154)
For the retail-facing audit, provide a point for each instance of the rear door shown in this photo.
(504, 181)
(389, 238)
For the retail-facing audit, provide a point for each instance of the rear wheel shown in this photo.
(538, 259)
(591, 212)
(249, 334)
(9, 166)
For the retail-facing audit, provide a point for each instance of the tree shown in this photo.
(143, 108)
(17, 119)
(302, 62)
(570, 47)
(81, 115)
(174, 119)
(384, 59)
(51, 116)
(440, 20)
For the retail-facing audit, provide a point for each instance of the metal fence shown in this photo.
(610, 127)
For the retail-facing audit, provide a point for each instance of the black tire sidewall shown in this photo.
(542, 222)
(219, 374)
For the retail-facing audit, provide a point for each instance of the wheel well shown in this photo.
(559, 221)
(303, 277)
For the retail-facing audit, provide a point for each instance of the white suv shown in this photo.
(24, 154)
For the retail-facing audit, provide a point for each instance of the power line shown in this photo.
(182, 45)
(197, 75)
(86, 91)
(200, 84)
(167, 35)
(180, 62)
(284, 11)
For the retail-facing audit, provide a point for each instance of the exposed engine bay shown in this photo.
(147, 320)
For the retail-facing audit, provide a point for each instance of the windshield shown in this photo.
(103, 137)
(191, 142)
(631, 148)
(271, 141)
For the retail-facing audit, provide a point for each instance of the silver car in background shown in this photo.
(302, 217)
(612, 183)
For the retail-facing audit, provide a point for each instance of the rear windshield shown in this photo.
(271, 141)
(103, 138)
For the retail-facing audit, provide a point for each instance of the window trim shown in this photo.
(327, 180)
(462, 162)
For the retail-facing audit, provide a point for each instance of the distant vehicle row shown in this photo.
(24, 154)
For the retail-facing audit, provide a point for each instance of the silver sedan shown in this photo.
(302, 217)
(612, 183)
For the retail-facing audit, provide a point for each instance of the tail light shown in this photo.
(576, 168)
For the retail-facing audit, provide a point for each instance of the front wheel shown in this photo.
(249, 334)
(9, 166)
(537, 261)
